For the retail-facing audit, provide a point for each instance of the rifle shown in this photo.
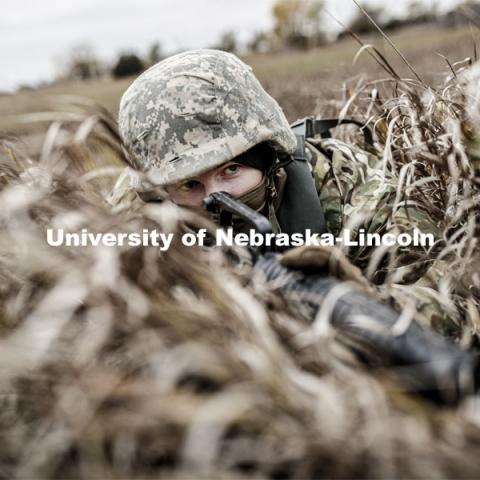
(422, 361)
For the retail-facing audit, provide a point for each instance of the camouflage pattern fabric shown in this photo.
(195, 111)
(357, 190)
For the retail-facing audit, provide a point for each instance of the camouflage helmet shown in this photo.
(195, 111)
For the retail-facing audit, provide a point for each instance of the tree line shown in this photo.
(298, 24)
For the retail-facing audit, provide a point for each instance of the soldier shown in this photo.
(200, 122)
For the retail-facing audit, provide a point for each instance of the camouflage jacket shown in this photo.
(357, 191)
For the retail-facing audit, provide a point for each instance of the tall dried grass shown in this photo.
(428, 140)
(131, 363)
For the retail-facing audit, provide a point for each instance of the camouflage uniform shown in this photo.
(357, 191)
(200, 109)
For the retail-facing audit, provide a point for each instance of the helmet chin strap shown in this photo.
(272, 194)
(264, 197)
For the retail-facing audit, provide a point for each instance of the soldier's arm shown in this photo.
(358, 191)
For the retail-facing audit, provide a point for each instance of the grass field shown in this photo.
(303, 82)
(127, 362)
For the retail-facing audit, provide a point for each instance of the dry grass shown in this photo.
(129, 363)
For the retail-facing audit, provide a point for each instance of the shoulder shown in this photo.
(350, 181)
(348, 166)
(329, 153)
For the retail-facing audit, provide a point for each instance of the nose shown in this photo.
(211, 186)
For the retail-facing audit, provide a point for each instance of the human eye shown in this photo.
(231, 169)
(187, 186)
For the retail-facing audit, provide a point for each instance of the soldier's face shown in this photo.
(233, 178)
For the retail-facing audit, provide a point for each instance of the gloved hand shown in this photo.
(315, 257)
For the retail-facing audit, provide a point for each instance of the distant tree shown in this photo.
(227, 42)
(360, 23)
(82, 63)
(21, 88)
(418, 11)
(154, 54)
(127, 64)
(461, 14)
(261, 42)
(468, 11)
(298, 23)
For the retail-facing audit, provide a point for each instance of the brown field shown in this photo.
(303, 82)
(130, 363)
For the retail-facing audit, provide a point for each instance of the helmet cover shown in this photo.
(195, 111)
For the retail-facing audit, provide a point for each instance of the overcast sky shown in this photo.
(35, 35)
